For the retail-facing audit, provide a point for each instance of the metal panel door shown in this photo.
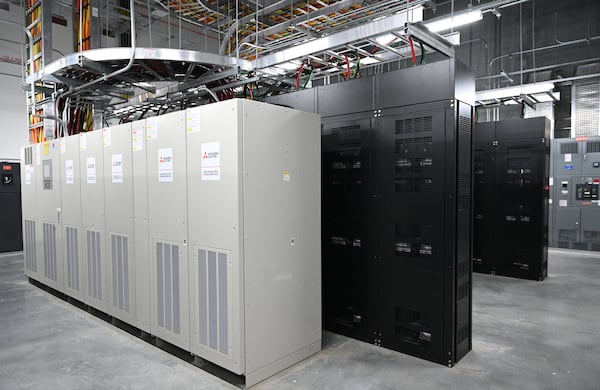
(414, 233)
(567, 226)
(167, 216)
(118, 192)
(91, 157)
(72, 243)
(49, 229)
(351, 290)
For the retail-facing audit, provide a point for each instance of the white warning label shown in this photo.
(91, 170)
(211, 161)
(165, 165)
(117, 168)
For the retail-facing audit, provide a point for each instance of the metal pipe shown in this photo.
(540, 68)
(207, 90)
(585, 40)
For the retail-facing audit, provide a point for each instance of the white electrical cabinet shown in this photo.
(200, 227)
(92, 219)
(254, 190)
(29, 194)
(49, 202)
(75, 282)
(167, 213)
(118, 197)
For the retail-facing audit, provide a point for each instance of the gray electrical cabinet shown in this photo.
(92, 219)
(167, 215)
(49, 211)
(200, 227)
(72, 244)
(118, 197)
(254, 235)
(575, 191)
(29, 195)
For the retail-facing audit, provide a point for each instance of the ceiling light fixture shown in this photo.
(459, 19)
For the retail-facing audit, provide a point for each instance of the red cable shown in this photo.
(412, 50)
(348, 65)
(298, 76)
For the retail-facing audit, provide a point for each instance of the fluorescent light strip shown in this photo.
(459, 19)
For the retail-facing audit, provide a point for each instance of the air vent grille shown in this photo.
(72, 257)
(167, 280)
(569, 148)
(592, 147)
(119, 249)
(30, 246)
(414, 125)
(50, 269)
(213, 306)
(94, 262)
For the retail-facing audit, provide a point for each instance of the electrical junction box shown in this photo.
(254, 193)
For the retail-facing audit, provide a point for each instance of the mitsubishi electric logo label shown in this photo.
(211, 161)
(165, 165)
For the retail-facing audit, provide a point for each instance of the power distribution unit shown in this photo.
(575, 193)
(396, 151)
(11, 233)
(511, 164)
(200, 227)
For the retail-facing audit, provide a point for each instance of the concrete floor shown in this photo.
(526, 335)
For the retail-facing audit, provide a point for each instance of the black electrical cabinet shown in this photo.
(397, 207)
(511, 160)
(11, 234)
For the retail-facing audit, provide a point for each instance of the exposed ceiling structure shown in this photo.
(270, 47)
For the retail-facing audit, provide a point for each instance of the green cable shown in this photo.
(357, 64)
(307, 79)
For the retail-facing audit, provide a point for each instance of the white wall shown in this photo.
(13, 106)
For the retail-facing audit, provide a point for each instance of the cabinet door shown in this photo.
(522, 220)
(567, 227)
(413, 235)
(349, 228)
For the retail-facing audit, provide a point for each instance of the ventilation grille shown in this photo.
(415, 165)
(28, 157)
(213, 308)
(464, 124)
(347, 133)
(412, 326)
(587, 108)
(167, 281)
(119, 249)
(464, 180)
(30, 246)
(567, 235)
(570, 147)
(592, 147)
(591, 235)
(94, 262)
(414, 125)
(402, 143)
(72, 258)
(413, 184)
(50, 270)
(413, 240)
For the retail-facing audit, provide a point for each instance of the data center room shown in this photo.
(299, 194)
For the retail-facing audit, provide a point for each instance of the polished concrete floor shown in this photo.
(526, 335)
